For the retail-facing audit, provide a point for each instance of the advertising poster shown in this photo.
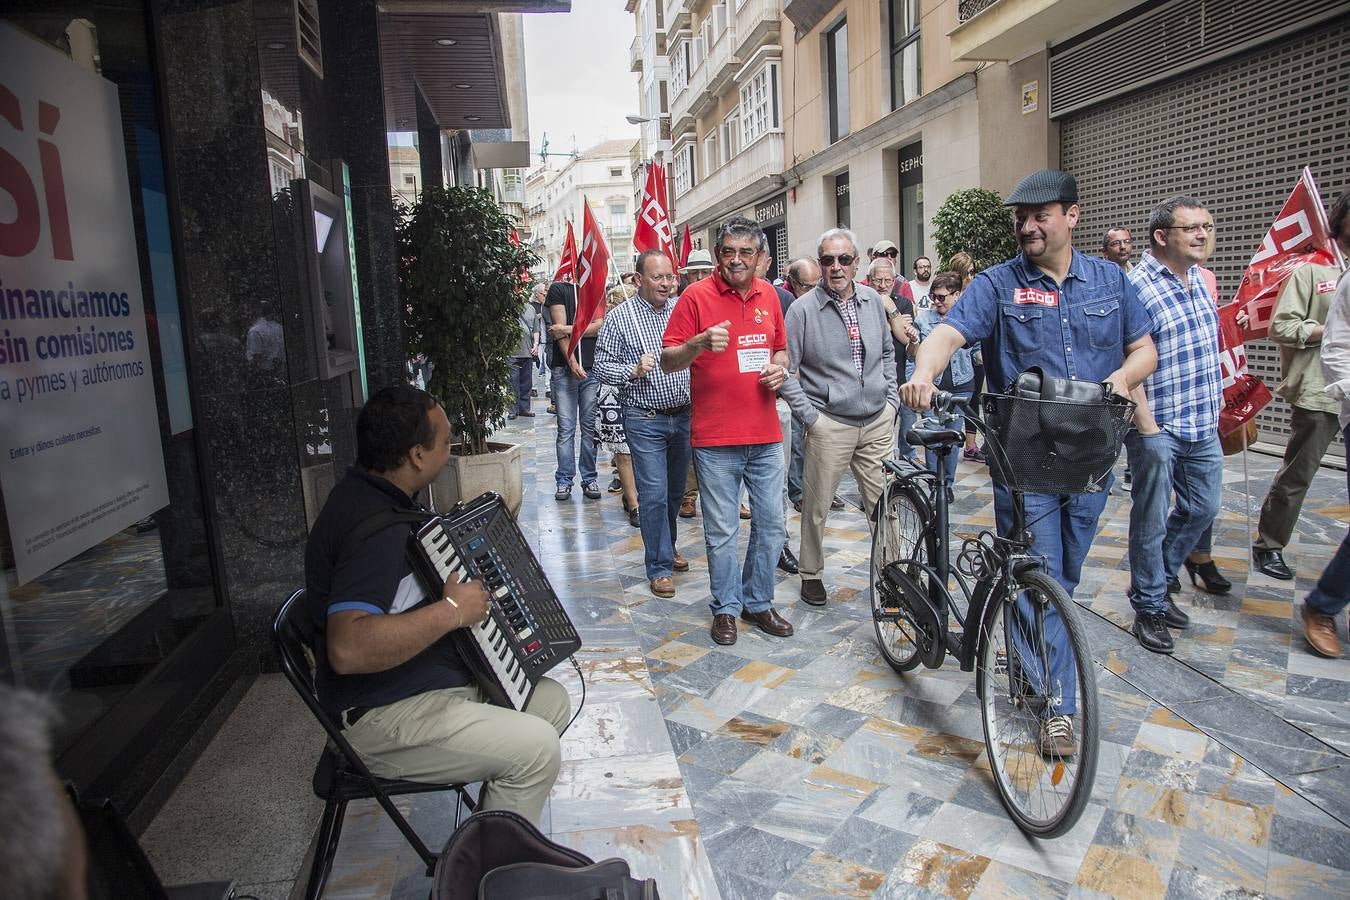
(80, 455)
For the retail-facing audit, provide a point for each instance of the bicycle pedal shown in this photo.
(1000, 662)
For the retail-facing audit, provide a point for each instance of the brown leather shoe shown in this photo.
(769, 622)
(813, 591)
(745, 511)
(663, 586)
(1320, 632)
(724, 629)
(687, 506)
(681, 564)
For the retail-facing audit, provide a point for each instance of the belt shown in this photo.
(668, 411)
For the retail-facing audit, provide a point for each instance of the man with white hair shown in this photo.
(845, 393)
(881, 276)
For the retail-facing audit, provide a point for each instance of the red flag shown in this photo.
(685, 246)
(653, 225)
(1299, 236)
(1244, 395)
(592, 270)
(567, 267)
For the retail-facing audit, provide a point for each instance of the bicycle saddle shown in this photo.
(930, 437)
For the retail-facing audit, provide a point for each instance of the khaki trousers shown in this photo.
(1313, 432)
(451, 735)
(827, 447)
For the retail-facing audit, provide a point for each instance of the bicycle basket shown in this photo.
(1054, 446)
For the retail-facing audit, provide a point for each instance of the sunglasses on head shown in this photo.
(845, 259)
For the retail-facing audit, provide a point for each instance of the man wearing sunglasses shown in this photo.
(845, 393)
(1075, 316)
(728, 331)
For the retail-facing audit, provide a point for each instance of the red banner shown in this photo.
(653, 225)
(567, 267)
(592, 271)
(1299, 236)
(686, 245)
(1244, 395)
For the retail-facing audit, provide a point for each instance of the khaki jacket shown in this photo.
(1302, 306)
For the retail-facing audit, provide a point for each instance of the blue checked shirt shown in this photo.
(631, 329)
(1185, 392)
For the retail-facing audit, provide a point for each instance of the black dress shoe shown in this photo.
(724, 629)
(1151, 630)
(633, 518)
(1271, 562)
(768, 621)
(1174, 585)
(1207, 576)
(813, 591)
(1174, 617)
(787, 562)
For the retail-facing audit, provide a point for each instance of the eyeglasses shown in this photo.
(893, 254)
(742, 252)
(1117, 243)
(940, 298)
(1207, 228)
(845, 259)
(662, 277)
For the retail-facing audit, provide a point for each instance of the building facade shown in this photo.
(227, 184)
(601, 175)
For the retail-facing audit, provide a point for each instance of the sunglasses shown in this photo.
(940, 298)
(845, 259)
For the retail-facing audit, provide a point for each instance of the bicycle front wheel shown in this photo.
(901, 533)
(1038, 696)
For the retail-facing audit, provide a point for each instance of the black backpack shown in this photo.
(499, 855)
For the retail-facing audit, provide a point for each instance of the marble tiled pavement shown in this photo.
(806, 767)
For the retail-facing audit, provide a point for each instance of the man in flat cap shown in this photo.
(1074, 316)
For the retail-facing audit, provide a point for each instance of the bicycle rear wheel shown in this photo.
(1036, 679)
(900, 534)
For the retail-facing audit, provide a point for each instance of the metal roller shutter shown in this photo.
(1235, 135)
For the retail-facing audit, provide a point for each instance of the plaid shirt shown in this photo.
(1185, 392)
(848, 311)
(631, 329)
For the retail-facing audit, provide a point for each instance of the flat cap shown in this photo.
(1045, 186)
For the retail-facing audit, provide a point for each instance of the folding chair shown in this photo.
(340, 775)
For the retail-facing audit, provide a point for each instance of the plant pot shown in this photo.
(465, 477)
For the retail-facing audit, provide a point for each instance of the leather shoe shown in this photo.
(1174, 585)
(768, 621)
(797, 504)
(787, 562)
(1174, 617)
(1271, 562)
(745, 511)
(1319, 630)
(724, 629)
(836, 503)
(1151, 630)
(527, 413)
(663, 586)
(687, 506)
(681, 564)
(813, 591)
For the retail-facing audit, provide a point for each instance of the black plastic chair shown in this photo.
(340, 776)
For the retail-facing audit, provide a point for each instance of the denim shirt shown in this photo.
(962, 366)
(1078, 329)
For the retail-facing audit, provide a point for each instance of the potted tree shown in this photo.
(974, 220)
(460, 279)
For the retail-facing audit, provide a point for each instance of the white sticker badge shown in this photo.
(753, 359)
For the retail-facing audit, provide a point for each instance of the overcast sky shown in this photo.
(577, 78)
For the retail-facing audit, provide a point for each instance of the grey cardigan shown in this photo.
(820, 358)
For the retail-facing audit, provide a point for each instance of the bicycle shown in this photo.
(1018, 624)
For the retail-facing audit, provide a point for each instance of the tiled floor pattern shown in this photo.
(807, 768)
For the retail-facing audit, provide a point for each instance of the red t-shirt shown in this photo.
(730, 406)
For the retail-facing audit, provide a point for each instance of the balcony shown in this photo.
(757, 23)
(677, 15)
(635, 55)
(689, 102)
(1001, 30)
(753, 170)
(717, 70)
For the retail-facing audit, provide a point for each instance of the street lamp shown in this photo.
(638, 120)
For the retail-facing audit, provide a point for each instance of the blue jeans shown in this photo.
(794, 476)
(721, 473)
(1332, 593)
(1062, 528)
(1159, 465)
(660, 448)
(522, 379)
(902, 446)
(569, 393)
(930, 456)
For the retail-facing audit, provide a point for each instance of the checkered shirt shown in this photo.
(630, 330)
(1185, 392)
(848, 311)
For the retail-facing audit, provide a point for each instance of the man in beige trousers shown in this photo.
(845, 393)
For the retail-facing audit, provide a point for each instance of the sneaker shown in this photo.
(1057, 737)
(974, 454)
(552, 408)
(563, 492)
(745, 511)
(836, 503)
(590, 490)
(1319, 631)
(1151, 630)
(615, 486)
